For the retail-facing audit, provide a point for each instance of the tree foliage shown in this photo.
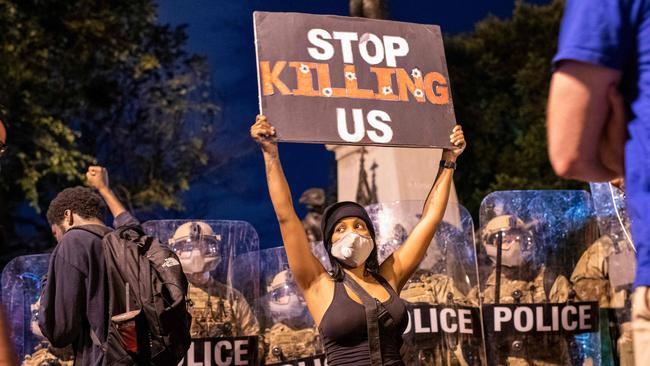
(84, 81)
(500, 77)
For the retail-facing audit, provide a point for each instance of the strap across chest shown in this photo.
(375, 312)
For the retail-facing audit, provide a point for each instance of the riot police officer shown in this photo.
(435, 283)
(516, 278)
(293, 334)
(591, 281)
(217, 310)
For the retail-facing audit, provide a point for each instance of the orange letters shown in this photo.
(431, 87)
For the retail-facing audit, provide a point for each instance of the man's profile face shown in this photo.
(57, 232)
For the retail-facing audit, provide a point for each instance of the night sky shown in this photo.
(223, 31)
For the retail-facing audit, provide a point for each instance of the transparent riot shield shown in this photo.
(21, 280)
(614, 249)
(318, 250)
(444, 323)
(221, 262)
(289, 333)
(529, 245)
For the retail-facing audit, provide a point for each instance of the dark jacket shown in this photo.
(74, 298)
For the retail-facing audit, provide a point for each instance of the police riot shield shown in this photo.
(318, 250)
(21, 280)
(615, 250)
(289, 333)
(530, 243)
(444, 319)
(221, 262)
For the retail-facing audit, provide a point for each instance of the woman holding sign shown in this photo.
(357, 306)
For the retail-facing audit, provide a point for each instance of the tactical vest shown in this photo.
(283, 343)
(212, 315)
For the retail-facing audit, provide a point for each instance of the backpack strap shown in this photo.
(370, 304)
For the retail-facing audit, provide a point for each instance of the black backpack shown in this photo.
(148, 318)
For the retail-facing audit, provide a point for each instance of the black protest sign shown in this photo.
(563, 318)
(222, 351)
(316, 360)
(342, 80)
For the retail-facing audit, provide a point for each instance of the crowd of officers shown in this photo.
(288, 333)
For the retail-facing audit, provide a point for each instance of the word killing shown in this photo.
(422, 87)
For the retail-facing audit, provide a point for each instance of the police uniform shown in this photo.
(217, 310)
(520, 350)
(590, 277)
(293, 334)
(522, 291)
(522, 282)
(436, 350)
(46, 355)
(433, 289)
(284, 343)
(591, 282)
(220, 311)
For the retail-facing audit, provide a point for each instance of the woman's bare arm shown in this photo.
(404, 261)
(306, 268)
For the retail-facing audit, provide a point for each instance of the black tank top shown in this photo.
(345, 334)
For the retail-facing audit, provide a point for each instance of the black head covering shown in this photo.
(334, 214)
(340, 210)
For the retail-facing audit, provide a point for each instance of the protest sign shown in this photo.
(342, 80)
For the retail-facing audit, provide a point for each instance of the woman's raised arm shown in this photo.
(404, 261)
(306, 268)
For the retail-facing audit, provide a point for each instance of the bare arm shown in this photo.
(98, 178)
(585, 122)
(305, 267)
(404, 261)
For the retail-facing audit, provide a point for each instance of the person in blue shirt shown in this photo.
(598, 118)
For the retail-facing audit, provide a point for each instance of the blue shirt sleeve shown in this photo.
(600, 32)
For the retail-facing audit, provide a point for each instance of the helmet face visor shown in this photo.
(283, 293)
(511, 237)
(207, 245)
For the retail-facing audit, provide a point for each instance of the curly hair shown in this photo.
(80, 200)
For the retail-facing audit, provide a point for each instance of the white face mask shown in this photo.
(197, 263)
(352, 249)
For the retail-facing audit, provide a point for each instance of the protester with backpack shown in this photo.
(117, 296)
